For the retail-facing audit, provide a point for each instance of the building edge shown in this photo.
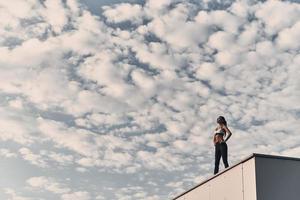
(253, 155)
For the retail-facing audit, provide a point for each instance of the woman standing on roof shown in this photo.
(220, 143)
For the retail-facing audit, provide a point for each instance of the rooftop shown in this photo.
(242, 161)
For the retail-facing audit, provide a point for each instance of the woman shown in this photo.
(220, 143)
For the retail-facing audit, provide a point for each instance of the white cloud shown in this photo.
(124, 12)
(190, 33)
(75, 140)
(62, 159)
(55, 14)
(221, 40)
(101, 68)
(81, 169)
(228, 58)
(14, 195)
(288, 39)
(160, 159)
(48, 184)
(7, 153)
(266, 48)
(99, 119)
(33, 158)
(226, 21)
(16, 126)
(273, 14)
(80, 195)
(157, 5)
(18, 9)
(87, 145)
(241, 8)
(16, 103)
(100, 197)
(135, 192)
(206, 71)
(145, 82)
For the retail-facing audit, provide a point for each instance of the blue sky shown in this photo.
(95, 5)
(118, 100)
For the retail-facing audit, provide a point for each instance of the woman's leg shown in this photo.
(217, 158)
(224, 153)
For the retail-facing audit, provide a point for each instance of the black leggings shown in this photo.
(220, 150)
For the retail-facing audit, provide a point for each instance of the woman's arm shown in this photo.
(215, 140)
(227, 131)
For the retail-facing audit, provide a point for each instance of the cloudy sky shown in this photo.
(118, 99)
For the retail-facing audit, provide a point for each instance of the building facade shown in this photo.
(257, 177)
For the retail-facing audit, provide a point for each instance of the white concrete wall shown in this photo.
(199, 193)
(249, 175)
(228, 185)
(260, 177)
(234, 184)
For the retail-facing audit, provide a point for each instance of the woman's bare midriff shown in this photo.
(219, 138)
